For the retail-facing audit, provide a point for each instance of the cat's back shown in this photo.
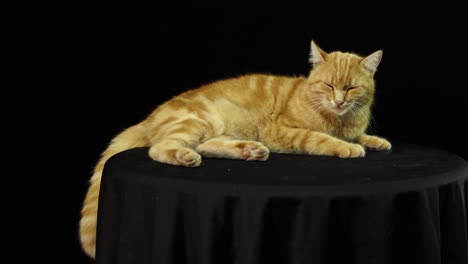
(234, 86)
(252, 93)
(242, 90)
(230, 105)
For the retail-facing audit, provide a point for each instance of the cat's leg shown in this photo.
(227, 147)
(373, 142)
(175, 145)
(297, 140)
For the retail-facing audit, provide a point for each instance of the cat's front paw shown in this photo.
(348, 150)
(255, 151)
(375, 143)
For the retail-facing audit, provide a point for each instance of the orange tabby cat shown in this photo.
(326, 113)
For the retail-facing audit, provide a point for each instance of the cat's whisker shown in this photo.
(372, 125)
(359, 112)
(367, 116)
(316, 104)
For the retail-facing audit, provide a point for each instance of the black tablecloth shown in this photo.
(404, 206)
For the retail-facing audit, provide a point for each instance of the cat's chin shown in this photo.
(339, 111)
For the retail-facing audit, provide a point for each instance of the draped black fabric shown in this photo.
(404, 206)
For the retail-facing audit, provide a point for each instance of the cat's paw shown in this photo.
(375, 143)
(255, 151)
(349, 150)
(188, 158)
(180, 156)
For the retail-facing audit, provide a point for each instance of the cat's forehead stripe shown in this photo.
(342, 64)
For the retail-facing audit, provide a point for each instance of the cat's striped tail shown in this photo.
(130, 138)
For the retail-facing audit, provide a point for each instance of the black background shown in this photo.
(82, 74)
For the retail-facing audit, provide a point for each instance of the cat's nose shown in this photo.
(339, 103)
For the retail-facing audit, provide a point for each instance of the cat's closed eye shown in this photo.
(349, 88)
(329, 85)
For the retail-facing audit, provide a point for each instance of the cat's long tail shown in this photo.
(132, 137)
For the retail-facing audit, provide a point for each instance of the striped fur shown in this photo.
(249, 116)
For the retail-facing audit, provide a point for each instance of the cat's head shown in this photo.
(339, 82)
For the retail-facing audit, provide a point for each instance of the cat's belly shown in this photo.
(242, 130)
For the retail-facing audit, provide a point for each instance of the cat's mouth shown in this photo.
(339, 109)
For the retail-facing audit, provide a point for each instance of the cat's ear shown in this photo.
(317, 55)
(372, 61)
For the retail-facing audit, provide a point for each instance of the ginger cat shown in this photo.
(326, 113)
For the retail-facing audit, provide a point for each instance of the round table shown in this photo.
(404, 206)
